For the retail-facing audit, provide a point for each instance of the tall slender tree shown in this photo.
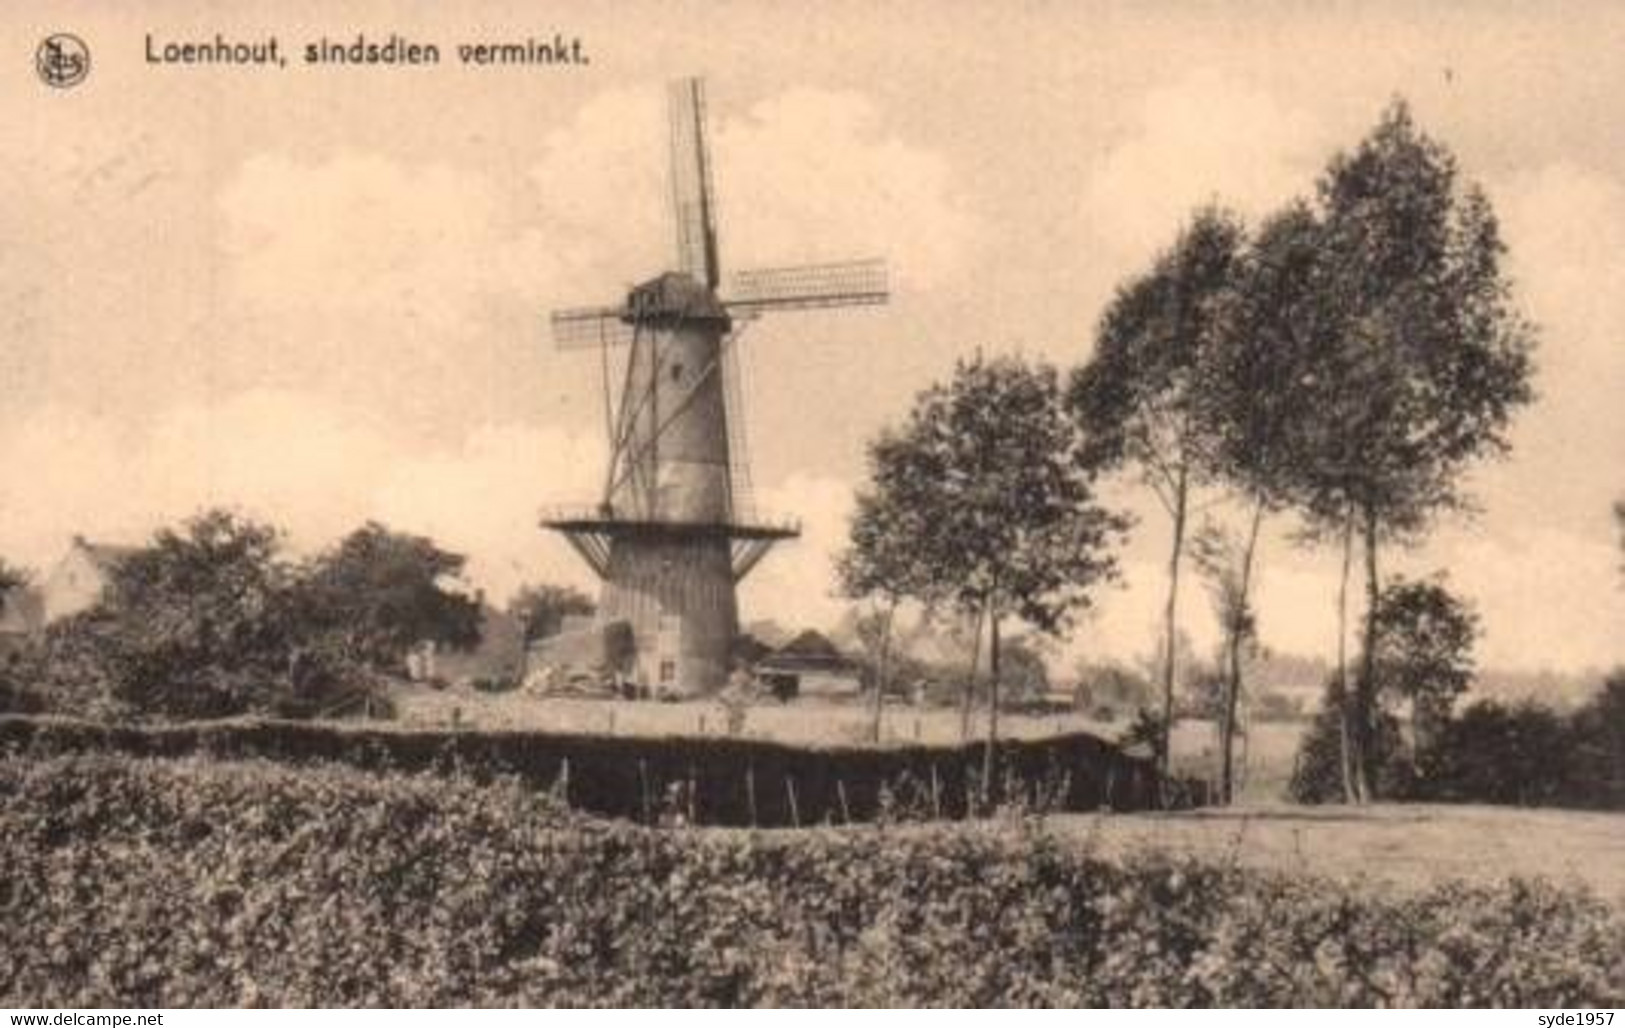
(881, 564)
(1420, 363)
(1252, 400)
(1141, 397)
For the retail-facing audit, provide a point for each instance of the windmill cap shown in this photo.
(672, 297)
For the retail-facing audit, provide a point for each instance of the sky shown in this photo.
(319, 294)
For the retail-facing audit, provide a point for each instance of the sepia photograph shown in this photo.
(990, 503)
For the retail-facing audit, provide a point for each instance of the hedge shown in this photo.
(186, 883)
(723, 781)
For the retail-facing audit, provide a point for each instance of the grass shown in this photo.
(1411, 846)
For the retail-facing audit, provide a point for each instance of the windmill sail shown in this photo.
(578, 328)
(841, 284)
(693, 203)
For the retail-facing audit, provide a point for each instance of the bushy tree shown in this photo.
(1108, 691)
(211, 618)
(17, 693)
(542, 608)
(1023, 674)
(1598, 746)
(1425, 662)
(378, 593)
(1425, 636)
(201, 622)
(996, 494)
(1318, 770)
(1520, 754)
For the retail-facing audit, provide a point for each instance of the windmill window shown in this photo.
(676, 372)
(668, 670)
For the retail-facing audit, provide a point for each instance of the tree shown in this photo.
(1226, 563)
(1140, 398)
(1424, 656)
(1106, 691)
(1598, 747)
(881, 565)
(995, 490)
(1619, 516)
(1426, 635)
(201, 622)
(378, 593)
(1252, 404)
(542, 608)
(1318, 771)
(11, 579)
(1023, 672)
(1420, 362)
(16, 692)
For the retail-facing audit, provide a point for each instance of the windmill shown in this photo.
(674, 532)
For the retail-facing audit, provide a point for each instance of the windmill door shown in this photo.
(668, 652)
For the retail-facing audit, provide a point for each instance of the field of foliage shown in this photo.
(198, 883)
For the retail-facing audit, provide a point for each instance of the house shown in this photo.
(810, 666)
(76, 582)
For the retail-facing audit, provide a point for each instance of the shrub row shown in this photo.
(1523, 754)
(157, 883)
(728, 781)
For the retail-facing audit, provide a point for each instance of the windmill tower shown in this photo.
(673, 532)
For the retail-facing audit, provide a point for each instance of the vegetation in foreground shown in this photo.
(163, 883)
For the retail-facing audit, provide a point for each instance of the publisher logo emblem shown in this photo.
(62, 60)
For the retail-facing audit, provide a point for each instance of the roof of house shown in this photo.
(104, 555)
(809, 651)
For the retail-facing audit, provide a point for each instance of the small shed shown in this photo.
(810, 665)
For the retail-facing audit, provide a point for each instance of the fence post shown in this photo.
(936, 792)
(795, 809)
(840, 791)
(750, 791)
(693, 790)
(643, 786)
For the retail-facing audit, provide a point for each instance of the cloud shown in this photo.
(815, 176)
(1565, 232)
(484, 498)
(1202, 138)
(422, 288)
(303, 463)
(804, 176)
(795, 584)
(359, 234)
(1548, 599)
